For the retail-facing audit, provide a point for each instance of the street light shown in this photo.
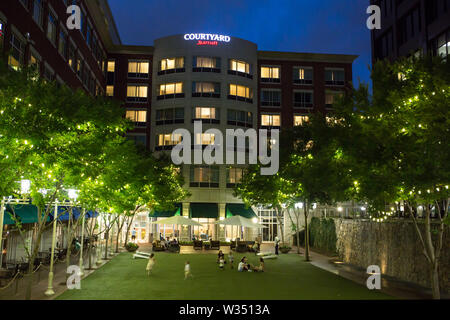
(340, 209)
(255, 220)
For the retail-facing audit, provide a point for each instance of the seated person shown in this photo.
(260, 268)
(163, 244)
(220, 256)
(244, 265)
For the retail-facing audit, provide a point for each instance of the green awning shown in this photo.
(204, 210)
(168, 213)
(25, 213)
(239, 209)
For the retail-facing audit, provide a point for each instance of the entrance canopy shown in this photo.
(240, 221)
(239, 209)
(178, 220)
(204, 210)
(168, 213)
(25, 213)
(64, 213)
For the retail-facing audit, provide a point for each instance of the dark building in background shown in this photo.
(411, 27)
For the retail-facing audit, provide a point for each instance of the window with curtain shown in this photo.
(334, 77)
(174, 64)
(206, 64)
(300, 120)
(270, 120)
(137, 93)
(239, 118)
(234, 176)
(204, 177)
(168, 140)
(206, 114)
(206, 89)
(171, 89)
(169, 116)
(204, 139)
(270, 74)
(138, 69)
(17, 51)
(330, 98)
(137, 116)
(239, 66)
(239, 92)
(303, 75)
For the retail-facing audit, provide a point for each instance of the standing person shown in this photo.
(187, 270)
(277, 243)
(133, 235)
(150, 264)
(231, 259)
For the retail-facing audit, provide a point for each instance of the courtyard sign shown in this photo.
(206, 38)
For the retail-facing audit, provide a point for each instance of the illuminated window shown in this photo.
(239, 66)
(270, 120)
(330, 98)
(240, 93)
(168, 140)
(16, 56)
(206, 89)
(137, 116)
(335, 77)
(110, 91)
(111, 66)
(204, 139)
(171, 64)
(270, 98)
(204, 177)
(169, 116)
(171, 89)
(72, 56)
(270, 74)
(206, 62)
(138, 69)
(303, 99)
(234, 176)
(137, 93)
(303, 75)
(239, 118)
(205, 113)
(51, 28)
(35, 60)
(300, 120)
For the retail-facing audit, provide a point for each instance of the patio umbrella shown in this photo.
(240, 221)
(179, 220)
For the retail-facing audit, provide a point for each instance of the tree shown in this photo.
(397, 143)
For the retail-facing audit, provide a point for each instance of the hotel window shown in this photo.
(303, 75)
(38, 11)
(167, 141)
(49, 73)
(300, 120)
(206, 89)
(62, 44)
(441, 46)
(330, 98)
(204, 177)
(239, 118)
(35, 59)
(139, 117)
(270, 120)
(80, 66)
(169, 116)
(303, 99)
(86, 75)
(334, 77)
(234, 176)
(51, 28)
(240, 93)
(110, 72)
(2, 33)
(270, 74)
(138, 69)
(110, 91)
(72, 56)
(206, 114)
(170, 90)
(16, 55)
(139, 140)
(89, 34)
(240, 68)
(271, 98)
(137, 93)
(206, 64)
(171, 65)
(204, 139)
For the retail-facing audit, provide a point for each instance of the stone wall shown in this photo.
(394, 246)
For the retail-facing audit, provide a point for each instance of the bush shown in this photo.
(285, 249)
(322, 235)
(131, 247)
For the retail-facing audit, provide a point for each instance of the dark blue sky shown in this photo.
(323, 26)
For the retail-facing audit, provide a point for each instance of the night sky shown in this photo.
(322, 26)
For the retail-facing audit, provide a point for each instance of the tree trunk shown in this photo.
(280, 223)
(435, 281)
(128, 229)
(106, 244)
(306, 232)
(298, 232)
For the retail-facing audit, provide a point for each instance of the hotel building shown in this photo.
(224, 82)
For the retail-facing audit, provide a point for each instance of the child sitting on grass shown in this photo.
(187, 270)
(260, 268)
(221, 263)
(150, 264)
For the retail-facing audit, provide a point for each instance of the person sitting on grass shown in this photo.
(150, 264)
(231, 259)
(221, 263)
(244, 265)
(187, 271)
(260, 268)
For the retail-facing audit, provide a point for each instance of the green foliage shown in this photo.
(322, 235)
(131, 247)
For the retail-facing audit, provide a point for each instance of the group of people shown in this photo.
(243, 264)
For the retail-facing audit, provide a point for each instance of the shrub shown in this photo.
(131, 247)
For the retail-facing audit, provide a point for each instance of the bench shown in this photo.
(198, 245)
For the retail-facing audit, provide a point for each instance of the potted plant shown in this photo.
(285, 248)
(131, 247)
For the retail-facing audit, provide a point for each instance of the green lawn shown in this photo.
(286, 278)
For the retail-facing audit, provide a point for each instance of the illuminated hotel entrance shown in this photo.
(268, 218)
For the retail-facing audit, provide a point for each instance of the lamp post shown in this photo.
(50, 291)
(2, 211)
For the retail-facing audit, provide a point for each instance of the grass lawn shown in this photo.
(287, 278)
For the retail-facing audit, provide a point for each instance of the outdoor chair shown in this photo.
(174, 248)
(157, 246)
(241, 246)
(198, 245)
(233, 245)
(215, 245)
